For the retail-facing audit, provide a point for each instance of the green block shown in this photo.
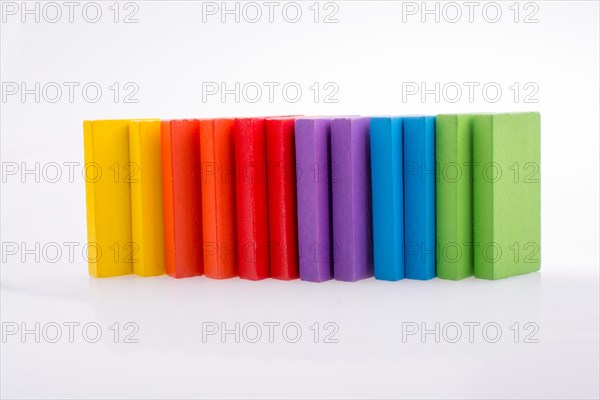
(506, 194)
(454, 215)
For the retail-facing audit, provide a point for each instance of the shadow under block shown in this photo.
(180, 141)
(251, 197)
(454, 191)
(313, 182)
(506, 194)
(419, 197)
(108, 197)
(388, 202)
(351, 199)
(146, 198)
(281, 187)
(217, 155)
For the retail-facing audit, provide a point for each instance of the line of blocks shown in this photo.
(321, 198)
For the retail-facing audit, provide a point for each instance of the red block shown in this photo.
(180, 141)
(251, 198)
(218, 198)
(283, 222)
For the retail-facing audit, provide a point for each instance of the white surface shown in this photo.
(370, 358)
(368, 54)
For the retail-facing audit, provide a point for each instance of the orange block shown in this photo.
(180, 141)
(217, 157)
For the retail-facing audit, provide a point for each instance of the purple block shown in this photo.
(313, 180)
(351, 199)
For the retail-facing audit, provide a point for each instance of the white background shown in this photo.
(368, 54)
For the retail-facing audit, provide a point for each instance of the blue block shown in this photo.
(386, 189)
(419, 197)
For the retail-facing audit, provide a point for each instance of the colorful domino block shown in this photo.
(351, 199)
(146, 197)
(506, 193)
(281, 172)
(388, 201)
(181, 198)
(454, 191)
(108, 173)
(419, 197)
(217, 157)
(313, 182)
(251, 196)
(315, 198)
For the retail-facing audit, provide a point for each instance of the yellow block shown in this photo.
(146, 197)
(108, 174)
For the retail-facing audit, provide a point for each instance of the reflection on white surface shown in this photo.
(367, 319)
